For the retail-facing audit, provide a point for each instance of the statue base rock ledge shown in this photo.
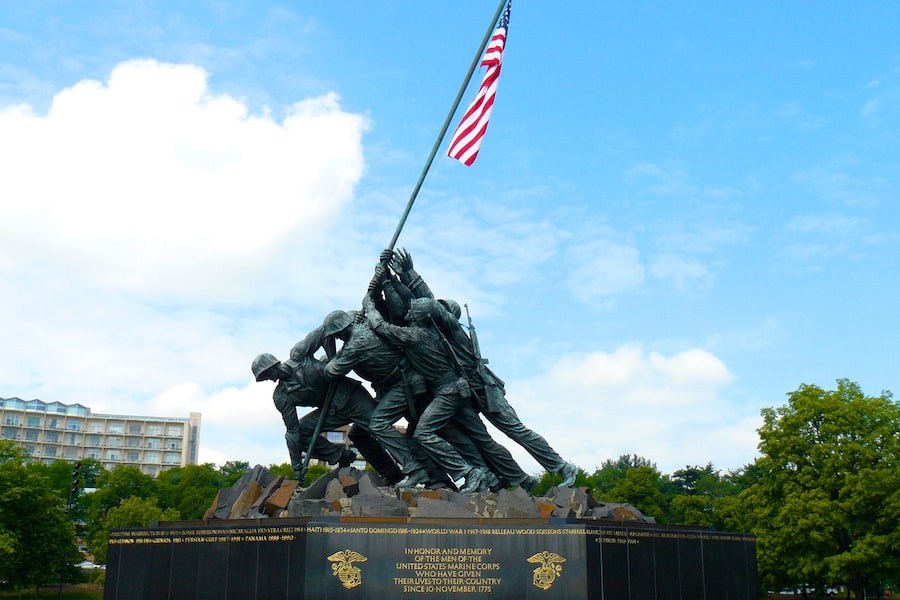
(347, 491)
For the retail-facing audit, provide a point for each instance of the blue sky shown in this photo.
(679, 214)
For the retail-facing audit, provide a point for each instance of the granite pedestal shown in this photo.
(384, 558)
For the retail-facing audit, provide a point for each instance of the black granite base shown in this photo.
(447, 558)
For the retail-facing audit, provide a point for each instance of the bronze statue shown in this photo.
(485, 384)
(384, 366)
(303, 383)
(423, 366)
(450, 401)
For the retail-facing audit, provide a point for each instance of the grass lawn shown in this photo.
(81, 591)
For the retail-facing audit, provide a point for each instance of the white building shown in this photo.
(51, 431)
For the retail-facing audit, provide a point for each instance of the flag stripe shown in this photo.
(466, 140)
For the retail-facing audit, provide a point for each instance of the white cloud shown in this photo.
(684, 273)
(669, 180)
(141, 218)
(238, 423)
(603, 268)
(672, 410)
(150, 183)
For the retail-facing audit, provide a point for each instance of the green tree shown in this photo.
(118, 484)
(36, 536)
(729, 511)
(232, 470)
(58, 474)
(697, 481)
(131, 512)
(610, 472)
(286, 470)
(91, 469)
(549, 480)
(692, 510)
(314, 472)
(642, 488)
(283, 470)
(703, 496)
(113, 487)
(190, 489)
(826, 506)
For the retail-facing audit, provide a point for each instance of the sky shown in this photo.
(680, 213)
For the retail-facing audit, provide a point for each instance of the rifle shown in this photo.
(457, 366)
(473, 335)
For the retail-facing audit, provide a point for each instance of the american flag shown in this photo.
(466, 140)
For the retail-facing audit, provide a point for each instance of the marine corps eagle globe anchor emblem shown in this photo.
(343, 568)
(550, 568)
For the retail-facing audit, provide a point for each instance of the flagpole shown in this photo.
(447, 121)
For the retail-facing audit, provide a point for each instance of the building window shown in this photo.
(93, 453)
(150, 470)
(73, 438)
(335, 436)
(31, 435)
(53, 423)
(112, 455)
(71, 453)
(173, 445)
(134, 428)
(154, 429)
(74, 425)
(10, 433)
(114, 428)
(154, 443)
(51, 436)
(174, 431)
(12, 419)
(133, 442)
(50, 451)
(36, 405)
(132, 456)
(33, 421)
(95, 427)
(29, 449)
(172, 458)
(16, 403)
(114, 440)
(152, 457)
(94, 440)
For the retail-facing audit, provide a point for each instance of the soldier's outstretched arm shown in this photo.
(308, 346)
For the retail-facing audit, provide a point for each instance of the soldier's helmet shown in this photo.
(336, 321)
(263, 363)
(452, 307)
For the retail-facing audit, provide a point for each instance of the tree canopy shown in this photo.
(826, 506)
(131, 512)
(36, 536)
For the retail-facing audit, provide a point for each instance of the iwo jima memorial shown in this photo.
(444, 511)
